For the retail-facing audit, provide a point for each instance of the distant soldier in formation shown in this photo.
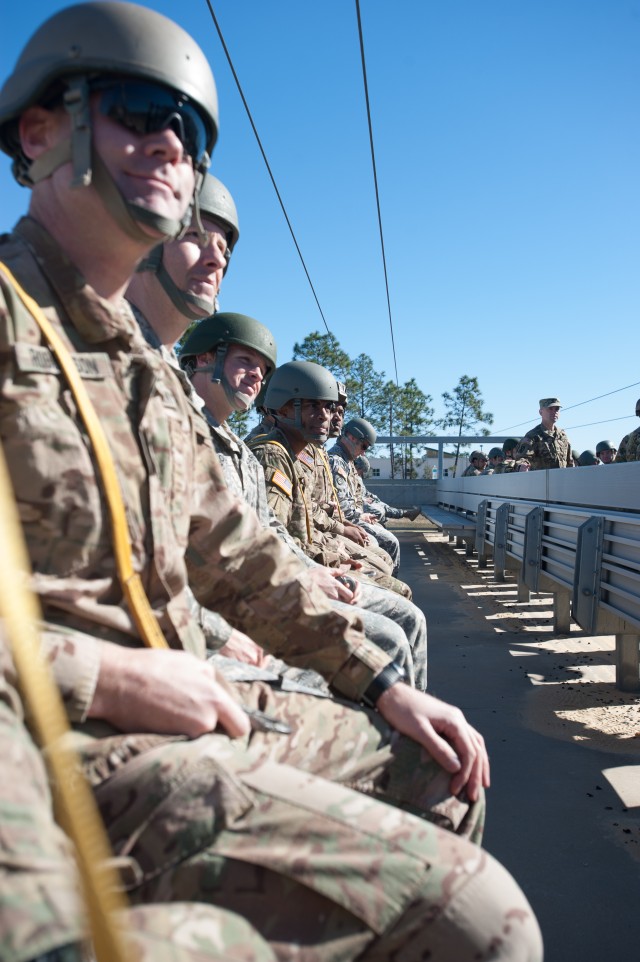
(372, 502)
(628, 447)
(587, 459)
(477, 463)
(546, 446)
(496, 458)
(606, 451)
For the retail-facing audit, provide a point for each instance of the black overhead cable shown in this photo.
(570, 407)
(264, 157)
(375, 181)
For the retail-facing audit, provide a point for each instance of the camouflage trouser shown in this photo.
(386, 540)
(374, 568)
(40, 907)
(407, 616)
(269, 827)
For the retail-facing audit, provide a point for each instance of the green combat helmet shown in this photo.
(215, 201)
(362, 466)
(495, 453)
(150, 75)
(361, 429)
(605, 446)
(215, 333)
(588, 457)
(510, 445)
(300, 381)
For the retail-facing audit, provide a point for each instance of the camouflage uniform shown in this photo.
(629, 449)
(41, 913)
(545, 449)
(325, 505)
(322, 872)
(509, 465)
(344, 475)
(289, 481)
(470, 472)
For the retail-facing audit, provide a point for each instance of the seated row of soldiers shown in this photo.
(253, 817)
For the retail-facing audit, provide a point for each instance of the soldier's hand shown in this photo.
(242, 648)
(368, 518)
(163, 691)
(355, 533)
(445, 733)
(325, 579)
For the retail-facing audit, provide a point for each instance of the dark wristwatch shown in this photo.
(390, 675)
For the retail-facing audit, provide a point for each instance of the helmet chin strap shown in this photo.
(192, 307)
(238, 400)
(89, 168)
(296, 422)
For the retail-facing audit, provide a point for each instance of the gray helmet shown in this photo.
(362, 464)
(495, 453)
(214, 200)
(586, 458)
(510, 444)
(215, 333)
(477, 456)
(67, 55)
(361, 429)
(343, 397)
(605, 446)
(299, 381)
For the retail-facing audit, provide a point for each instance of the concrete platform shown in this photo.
(564, 806)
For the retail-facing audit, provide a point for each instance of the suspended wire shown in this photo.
(375, 181)
(570, 407)
(266, 162)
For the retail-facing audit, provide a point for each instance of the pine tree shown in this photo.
(464, 410)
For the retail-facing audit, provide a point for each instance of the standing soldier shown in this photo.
(546, 446)
(627, 450)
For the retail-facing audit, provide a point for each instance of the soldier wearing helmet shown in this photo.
(180, 280)
(546, 446)
(358, 435)
(496, 458)
(477, 463)
(337, 418)
(628, 447)
(606, 451)
(508, 464)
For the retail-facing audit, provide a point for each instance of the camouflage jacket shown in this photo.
(344, 481)
(629, 449)
(470, 472)
(289, 480)
(184, 524)
(545, 449)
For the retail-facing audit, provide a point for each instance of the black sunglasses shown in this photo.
(148, 107)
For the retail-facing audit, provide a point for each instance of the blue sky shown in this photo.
(508, 155)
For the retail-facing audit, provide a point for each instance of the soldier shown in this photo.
(477, 464)
(496, 459)
(628, 447)
(606, 451)
(180, 280)
(205, 807)
(509, 463)
(587, 459)
(248, 350)
(546, 446)
(339, 410)
(287, 457)
(357, 437)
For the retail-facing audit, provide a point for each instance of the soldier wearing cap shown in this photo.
(546, 446)
(628, 447)
(477, 464)
(606, 451)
